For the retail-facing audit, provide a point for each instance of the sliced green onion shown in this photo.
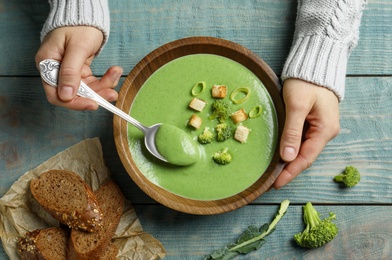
(198, 88)
(255, 112)
(244, 94)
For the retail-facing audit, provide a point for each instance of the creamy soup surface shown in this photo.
(164, 98)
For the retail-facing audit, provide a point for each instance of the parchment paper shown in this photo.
(20, 213)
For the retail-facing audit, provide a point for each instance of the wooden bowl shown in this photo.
(152, 62)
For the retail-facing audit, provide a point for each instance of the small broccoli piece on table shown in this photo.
(223, 132)
(350, 177)
(317, 232)
(222, 157)
(206, 136)
(220, 111)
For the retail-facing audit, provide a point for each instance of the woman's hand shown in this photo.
(75, 47)
(312, 120)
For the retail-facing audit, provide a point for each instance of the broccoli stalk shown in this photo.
(220, 111)
(206, 136)
(317, 232)
(222, 157)
(350, 177)
(252, 239)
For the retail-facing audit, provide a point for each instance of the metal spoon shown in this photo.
(49, 72)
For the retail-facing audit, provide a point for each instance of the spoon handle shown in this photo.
(49, 69)
(86, 92)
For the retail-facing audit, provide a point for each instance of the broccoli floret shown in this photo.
(350, 177)
(220, 111)
(222, 157)
(206, 136)
(223, 132)
(317, 232)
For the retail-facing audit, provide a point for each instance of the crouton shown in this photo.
(195, 121)
(197, 104)
(239, 116)
(219, 91)
(241, 133)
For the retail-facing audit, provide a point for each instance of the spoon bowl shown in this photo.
(49, 70)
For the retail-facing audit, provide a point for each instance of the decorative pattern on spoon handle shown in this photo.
(84, 92)
(47, 67)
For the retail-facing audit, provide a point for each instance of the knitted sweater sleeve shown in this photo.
(326, 31)
(93, 13)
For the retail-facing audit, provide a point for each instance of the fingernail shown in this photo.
(289, 153)
(118, 74)
(114, 73)
(66, 93)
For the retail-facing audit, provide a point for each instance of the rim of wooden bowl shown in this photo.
(152, 62)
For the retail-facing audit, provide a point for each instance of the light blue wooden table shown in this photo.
(32, 130)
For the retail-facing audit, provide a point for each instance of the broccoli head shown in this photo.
(223, 132)
(206, 136)
(350, 177)
(220, 111)
(317, 232)
(222, 157)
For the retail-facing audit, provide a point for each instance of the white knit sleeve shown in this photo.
(93, 13)
(325, 34)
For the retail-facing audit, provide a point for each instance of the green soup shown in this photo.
(176, 146)
(164, 98)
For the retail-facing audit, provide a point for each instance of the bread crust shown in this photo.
(89, 219)
(27, 247)
(31, 246)
(111, 200)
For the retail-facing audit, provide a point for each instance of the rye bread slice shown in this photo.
(48, 244)
(85, 245)
(68, 198)
(110, 253)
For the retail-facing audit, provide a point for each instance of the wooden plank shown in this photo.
(32, 131)
(365, 142)
(364, 232)
(138, 27)
(20, 26)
